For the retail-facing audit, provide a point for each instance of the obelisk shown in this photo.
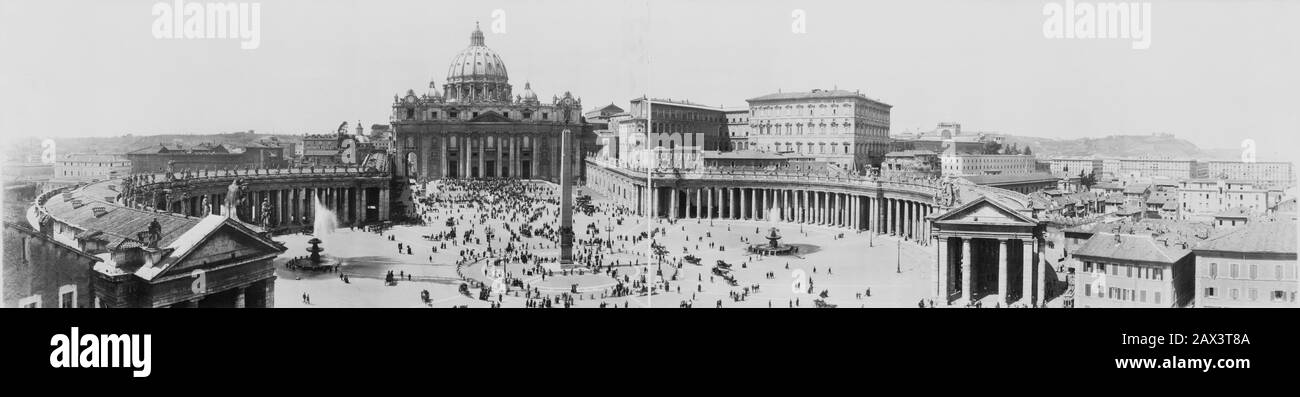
(566, 199)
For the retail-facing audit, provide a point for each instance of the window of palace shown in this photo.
(1253, 272)
(68, 296)
(1233, 293)
(545, 116)
(1279, 295)
(1233, 273)
(1209, 292)
(473, 115)
(451, 114)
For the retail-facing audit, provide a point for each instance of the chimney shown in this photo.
(77, 204)
(1118, 239)
(67, 196)
(99, 211)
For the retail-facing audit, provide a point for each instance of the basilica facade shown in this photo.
(478, 127)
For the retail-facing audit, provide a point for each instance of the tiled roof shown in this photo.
(118, 223)
(1009, 178)
(1136, 188)
(1130, 247)
(1276, 237)
(1090, 228)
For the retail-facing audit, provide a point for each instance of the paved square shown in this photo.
(844, 264)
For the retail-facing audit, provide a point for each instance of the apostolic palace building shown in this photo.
(837, 126)
(478, 127)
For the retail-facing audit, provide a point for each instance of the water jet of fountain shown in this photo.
(325, 222)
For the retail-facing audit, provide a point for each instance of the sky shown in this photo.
(1216, 72)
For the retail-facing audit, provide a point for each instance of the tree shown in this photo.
(1087, 180)
(992, 147)
(1027, 151)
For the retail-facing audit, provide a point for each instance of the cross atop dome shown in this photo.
(476, 38)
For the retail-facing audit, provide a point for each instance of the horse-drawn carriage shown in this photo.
(692, 259)
(725, 273)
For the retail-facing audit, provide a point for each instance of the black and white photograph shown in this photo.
(1032, 158)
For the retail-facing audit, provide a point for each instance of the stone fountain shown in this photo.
(773, 246)
(314, 261)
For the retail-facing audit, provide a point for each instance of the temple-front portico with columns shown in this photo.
(988, 247)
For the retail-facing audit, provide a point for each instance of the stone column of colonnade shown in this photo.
(882, 215)
(803, 207)
(896, 211)
(891, 210)
(909, 214)
(890, 219)
(1040, 267)
(672, 203)
(1004, 246)
(965, 270)
(941, 286)
(816, 207)
(730, 198)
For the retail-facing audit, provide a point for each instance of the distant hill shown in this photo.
(128, 143)
(1155, 145)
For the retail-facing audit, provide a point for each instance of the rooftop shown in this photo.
(910, 153)
(814, 94)
(93, 157)
(1234, 212)
(1136, 188)
(114, 224)
(1131, 247)
(679, 102)
(1275, 237)
(1004, 179)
